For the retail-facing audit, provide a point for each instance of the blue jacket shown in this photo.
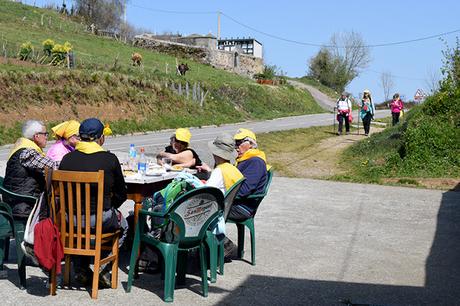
(255, 171)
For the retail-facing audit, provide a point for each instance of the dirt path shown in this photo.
(322, 99)
(322, 160)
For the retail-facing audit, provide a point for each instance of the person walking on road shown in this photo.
(396, 107)
(367, 111)
(343, 113)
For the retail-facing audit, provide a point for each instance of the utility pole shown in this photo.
(124, 12)
(218, 25)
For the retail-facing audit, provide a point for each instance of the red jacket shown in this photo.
(47, 245)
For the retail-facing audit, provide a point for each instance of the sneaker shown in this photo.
(339, 133)
(348, 133)
(83, 276)
(3, 274)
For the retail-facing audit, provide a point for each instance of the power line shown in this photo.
(172, 12)
(395, 43)
(330, 46)
(396, 76)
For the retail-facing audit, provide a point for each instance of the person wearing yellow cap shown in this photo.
(184, 156)
(252, 163)
(67, 138)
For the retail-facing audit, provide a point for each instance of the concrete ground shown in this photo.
(315, 246)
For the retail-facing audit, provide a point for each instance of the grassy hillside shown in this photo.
(331, 93)
(105, 84)
(425, 145)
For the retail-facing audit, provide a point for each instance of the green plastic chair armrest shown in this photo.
(6, 208)
(152, 213)
(18, 196)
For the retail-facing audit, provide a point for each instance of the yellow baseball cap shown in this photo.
(183, 135)
(243, 133)
(66, 129)
(107, 131)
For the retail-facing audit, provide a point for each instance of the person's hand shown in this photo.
(203, 168)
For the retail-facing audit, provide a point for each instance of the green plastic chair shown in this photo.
(18, 229)
(6, 231)
(215, 245)
(192, 213)
(255, 200)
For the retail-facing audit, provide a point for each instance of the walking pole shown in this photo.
(333, 120)
(358, 120)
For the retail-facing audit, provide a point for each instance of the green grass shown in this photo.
(426, 144)
(331, 93)
(104, 74)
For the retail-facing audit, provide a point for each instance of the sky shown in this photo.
(412, 65)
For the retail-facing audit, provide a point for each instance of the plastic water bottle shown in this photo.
(132, 163)
(142, 163)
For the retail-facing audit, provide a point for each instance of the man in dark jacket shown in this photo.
(25, 167)
(90, 156)
(252, 164)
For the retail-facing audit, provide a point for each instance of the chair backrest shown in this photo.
(256, 199)
(71, 196)
(230, 196)
(194, 211)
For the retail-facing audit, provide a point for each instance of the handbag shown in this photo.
(35, 217)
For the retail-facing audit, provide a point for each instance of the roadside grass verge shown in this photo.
(289, 151)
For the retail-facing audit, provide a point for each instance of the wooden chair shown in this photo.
(70, 196)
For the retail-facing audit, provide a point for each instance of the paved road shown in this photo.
(155, 141)
(322, 99)
(318, 242)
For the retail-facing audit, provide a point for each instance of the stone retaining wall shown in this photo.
(239, 63)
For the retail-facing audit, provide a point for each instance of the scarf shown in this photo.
(24, 143)
(253, 153)
(88, 147)
(230, 173)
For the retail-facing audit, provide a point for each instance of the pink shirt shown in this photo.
(58, 150)
(396, 106)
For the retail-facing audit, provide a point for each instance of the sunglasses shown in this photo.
(239, 142)
(43, 133)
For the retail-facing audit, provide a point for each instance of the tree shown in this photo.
(433, 80)
(105, 14)
(386, 81)
(337, 64)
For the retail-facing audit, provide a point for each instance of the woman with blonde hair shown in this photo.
(66, 134)
(367, 111)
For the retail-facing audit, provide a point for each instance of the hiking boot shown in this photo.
(105, 279)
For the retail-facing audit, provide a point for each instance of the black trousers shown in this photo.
(395, 118)
(367, 123)
(343, 117)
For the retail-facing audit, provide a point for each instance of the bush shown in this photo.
(60, 52)
(48, 46)
(25, 51)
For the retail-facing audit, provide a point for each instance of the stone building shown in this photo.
(240, 59)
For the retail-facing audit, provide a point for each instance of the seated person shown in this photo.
(170, 148)
(67, 138)
(224, 175)
(185, 156)
(25, 167)
(90, 156)
(252, 163)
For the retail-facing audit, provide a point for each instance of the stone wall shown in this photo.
(239, 63)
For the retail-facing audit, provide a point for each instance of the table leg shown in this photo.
(137, 208)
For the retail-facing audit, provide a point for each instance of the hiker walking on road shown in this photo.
(367, 111)
(396, 107)
(343, 112)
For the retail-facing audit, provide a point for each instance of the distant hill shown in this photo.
(106, 85)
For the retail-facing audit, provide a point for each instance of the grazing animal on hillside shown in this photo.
(183, 68)
(137, 59)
